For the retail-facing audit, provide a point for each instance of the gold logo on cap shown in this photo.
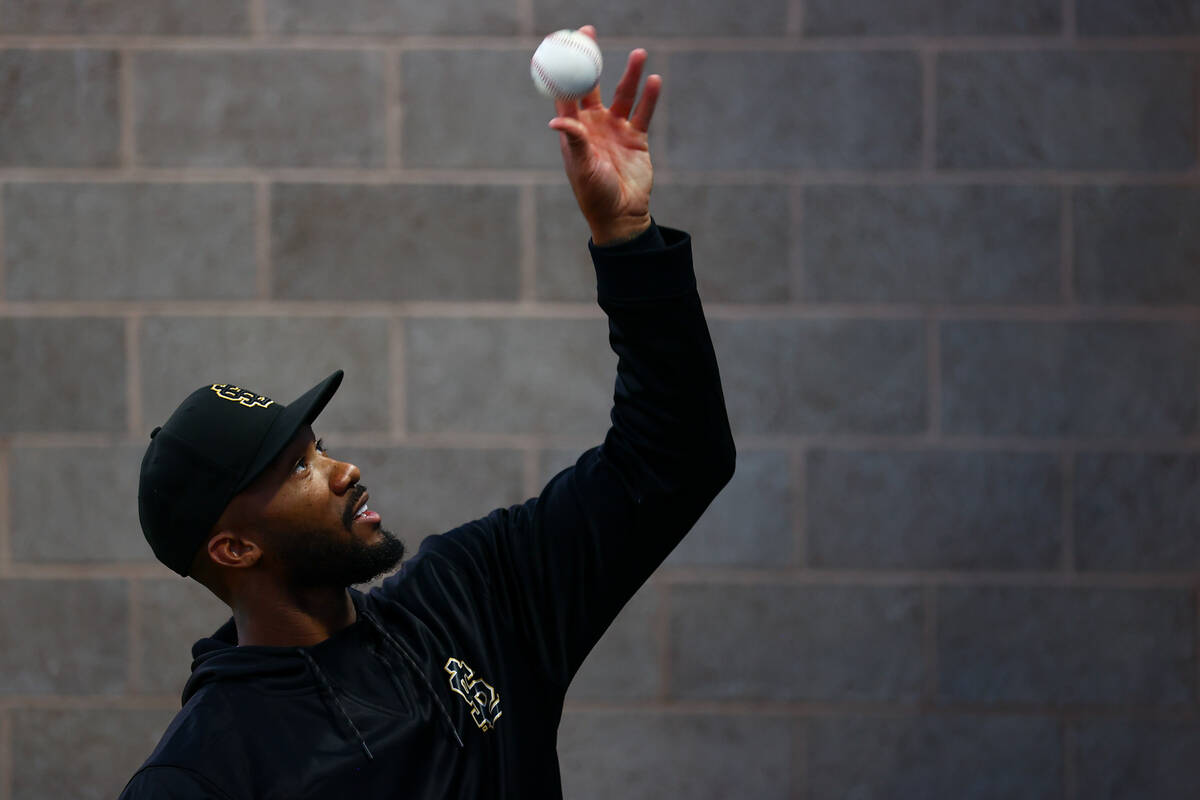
(245, 397)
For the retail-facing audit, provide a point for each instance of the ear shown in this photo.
(227, 549)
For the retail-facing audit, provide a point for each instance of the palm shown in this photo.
(615, 175)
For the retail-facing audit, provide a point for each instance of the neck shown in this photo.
(294, 619)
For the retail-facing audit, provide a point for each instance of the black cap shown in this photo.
(213, 446)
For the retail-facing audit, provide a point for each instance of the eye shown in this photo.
(320, 446)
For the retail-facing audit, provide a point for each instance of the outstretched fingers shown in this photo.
(626, 92)
(645, 108)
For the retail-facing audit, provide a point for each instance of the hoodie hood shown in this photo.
(273, 669)
(292, 670)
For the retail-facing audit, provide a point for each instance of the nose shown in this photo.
(343, 476)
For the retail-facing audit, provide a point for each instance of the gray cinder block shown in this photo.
(158, 17)
(1065, 110)
(142, 241)
(1137, 244)
(645, 756)
(779, 642)
(686, 18)
(775, 110)
(63, 637)
(1137, 511)
(1138, 17)
(509, 376)
(948, 244)
(1066, 646)
(106, 746)
(265, 108)
(933, 510)
(931, 18)
(1126, 759)
(60, 108)
(1069, 379)
(277, 356)
(968, 757)
(335, 241)
(76, 504)
(823, 375)
(63, 374)
(451, 17)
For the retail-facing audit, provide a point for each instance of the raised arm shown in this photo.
(561, 566)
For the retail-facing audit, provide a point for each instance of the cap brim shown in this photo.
(295, 415)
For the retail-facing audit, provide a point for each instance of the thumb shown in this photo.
(573, 136)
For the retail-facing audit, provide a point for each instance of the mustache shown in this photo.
(356, 494)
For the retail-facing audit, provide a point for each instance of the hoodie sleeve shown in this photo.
(563, 564)
(170, 783)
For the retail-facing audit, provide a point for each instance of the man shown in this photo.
(448, 680)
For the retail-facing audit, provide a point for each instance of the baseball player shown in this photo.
(448, 679)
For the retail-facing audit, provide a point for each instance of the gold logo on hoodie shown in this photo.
(481, 698)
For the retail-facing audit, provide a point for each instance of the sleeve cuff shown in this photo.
(658, 263)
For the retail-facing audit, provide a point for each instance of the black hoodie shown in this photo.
(451, 681)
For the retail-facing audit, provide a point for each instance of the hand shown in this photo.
(606, 155)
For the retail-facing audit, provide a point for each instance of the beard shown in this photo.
(314, 559)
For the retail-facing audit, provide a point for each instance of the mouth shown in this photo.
(362, 513)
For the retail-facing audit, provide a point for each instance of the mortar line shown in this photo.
(88, 702)
(662, 630)
(393, 109)
(263, 270)
(664, 174)
(928, 58)
(1070, 774)
(885, 710)
(134, 669)
(6, 554)
(6, 754)
(530, 470)
(798, 463)
(665, 44)
(527, 251)
(913, 578)
(125, 94)
(3, 268)
(1196, 640)
(933, 366)
(258, 19)
(929, 644)
(1066, 248)
(794, 24)
(398, 383)
(1196, 106)
(801, 785)
(452, 439)
(134, 413)
(565, 310)
(525, 18)
(1070, 22)
(796, 243)
(1067, 465)
(661, 122)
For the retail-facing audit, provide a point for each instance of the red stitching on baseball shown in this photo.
(555, 89)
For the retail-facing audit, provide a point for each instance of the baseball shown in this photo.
(566, 65)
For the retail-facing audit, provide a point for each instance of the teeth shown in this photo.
(362, 510)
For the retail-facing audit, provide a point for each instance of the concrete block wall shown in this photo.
(951, 263)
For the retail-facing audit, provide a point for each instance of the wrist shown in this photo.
(619, 231)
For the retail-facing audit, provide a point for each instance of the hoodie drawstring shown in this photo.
(328, 690)
(412, 664)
